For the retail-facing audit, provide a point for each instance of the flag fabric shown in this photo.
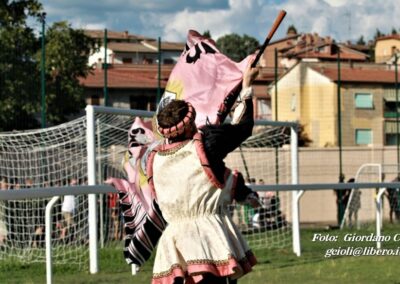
(204, 77)
(143, 221)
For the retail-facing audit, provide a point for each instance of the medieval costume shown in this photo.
(193, 188)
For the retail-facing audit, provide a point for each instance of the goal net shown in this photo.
(264, 158)
(57, 156)
(39, 159)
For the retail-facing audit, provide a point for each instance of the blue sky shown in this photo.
(170, 19)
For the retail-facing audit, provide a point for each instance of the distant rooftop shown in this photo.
(358, 75)
(125, 35)
(396, 36)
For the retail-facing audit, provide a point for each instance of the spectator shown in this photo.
(269, 216)
(3, 225)
(112, 204)
(342, 198)
(68, 210)
(393, 196)
(354, 203)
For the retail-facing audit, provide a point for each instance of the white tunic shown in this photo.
(200, 236)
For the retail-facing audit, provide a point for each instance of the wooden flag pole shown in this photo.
(231, 98)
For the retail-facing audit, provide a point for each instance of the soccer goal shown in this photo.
(361, 208)
(266, 158)
(83, 151)
(88, 150)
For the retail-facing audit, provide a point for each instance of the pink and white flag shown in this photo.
(204, 77)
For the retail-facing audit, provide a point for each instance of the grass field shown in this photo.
(275, 266)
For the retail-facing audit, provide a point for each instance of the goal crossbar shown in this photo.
(325, 186)
(100, 189)
(55, 191)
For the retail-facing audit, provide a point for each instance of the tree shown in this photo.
(237, 47)
(67, 52)
(361, 41)
(19, 79)
(378, 34)
(207, 34)
(394, 32)
(291, 30)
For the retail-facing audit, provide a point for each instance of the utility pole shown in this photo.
(105, 70)
(159, 73)
(341, 207)
(42, 71)
(397, 111)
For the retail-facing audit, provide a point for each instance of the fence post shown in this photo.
(91, 163)
(48, 231)
(296, 194)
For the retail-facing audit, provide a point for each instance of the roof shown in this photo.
(358, 75)
(135, 76)
(166, 46)
(144, 76)
(129, 47)
(318, 51)
(125, 35)
(315, 46)
(396, 36)
(358, 47)
(288, 37)
(327, 56)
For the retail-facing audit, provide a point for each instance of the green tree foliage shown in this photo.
(378, 34)
(67, 52)
(237, 47)
(207, 34)
(394, 32)
(291, 30)
(361, 41)
(19, 84)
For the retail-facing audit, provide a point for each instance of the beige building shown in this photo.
(386, 47)
(308, 93)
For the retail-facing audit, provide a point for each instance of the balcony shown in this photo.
(390, 114)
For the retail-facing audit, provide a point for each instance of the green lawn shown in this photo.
(275, 266)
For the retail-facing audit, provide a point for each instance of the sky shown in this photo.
(171, 19)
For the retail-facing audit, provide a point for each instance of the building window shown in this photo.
(364, 101)
(138, 102)
(363, 136)
(168, 61)
(391, 136)
(391, 139)
(263, 109)
(293, 103)
(143, 102)
(95, 100)
(127, 60)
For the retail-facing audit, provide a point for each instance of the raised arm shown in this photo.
(223, 139)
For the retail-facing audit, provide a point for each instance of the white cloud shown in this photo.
(336, 3)
(340, 19)
(238, 18)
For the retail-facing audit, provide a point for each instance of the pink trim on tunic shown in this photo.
(201, 154)
(195, 269)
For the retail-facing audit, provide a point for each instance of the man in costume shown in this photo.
(200, 244)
